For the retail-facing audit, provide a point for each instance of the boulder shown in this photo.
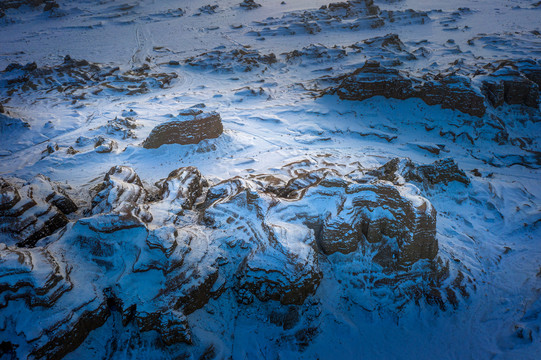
(104, 146)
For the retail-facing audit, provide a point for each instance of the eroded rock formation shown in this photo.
(449, 91)
(77, 78)
(158, 255)
(33, 210)
(514, 83)
(191, 126)
(507, 84)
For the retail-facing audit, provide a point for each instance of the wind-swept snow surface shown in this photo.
(270, 179)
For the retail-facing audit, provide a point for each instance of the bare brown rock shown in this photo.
(509, 86)
(449, 91)
(453, 92)
(189, 127)
(375, 80)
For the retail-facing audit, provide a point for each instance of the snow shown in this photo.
(277, 123)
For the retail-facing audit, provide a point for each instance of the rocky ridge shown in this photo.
(78, 79)
(451, 91)
(188, 241)
(348, 15)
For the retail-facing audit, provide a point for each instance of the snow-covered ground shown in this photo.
(270, 72)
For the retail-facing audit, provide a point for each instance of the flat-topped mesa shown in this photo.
(190, 126)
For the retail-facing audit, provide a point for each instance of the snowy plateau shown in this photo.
(268, 179)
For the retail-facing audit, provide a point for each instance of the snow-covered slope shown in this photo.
(300, 179)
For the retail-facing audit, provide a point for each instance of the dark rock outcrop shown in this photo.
(439, 172)
(191, 126)
(375, 80)
(280, 272)
(77, 79)
(20, 281)
(453, 92)
(171, 325)
(411, 224)
(14, 4)
(507, 85)
(239, 60)
(65, 341)
(121, 193)
(350, 15)
(104, 145)
(249, 4)
(449, 91)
